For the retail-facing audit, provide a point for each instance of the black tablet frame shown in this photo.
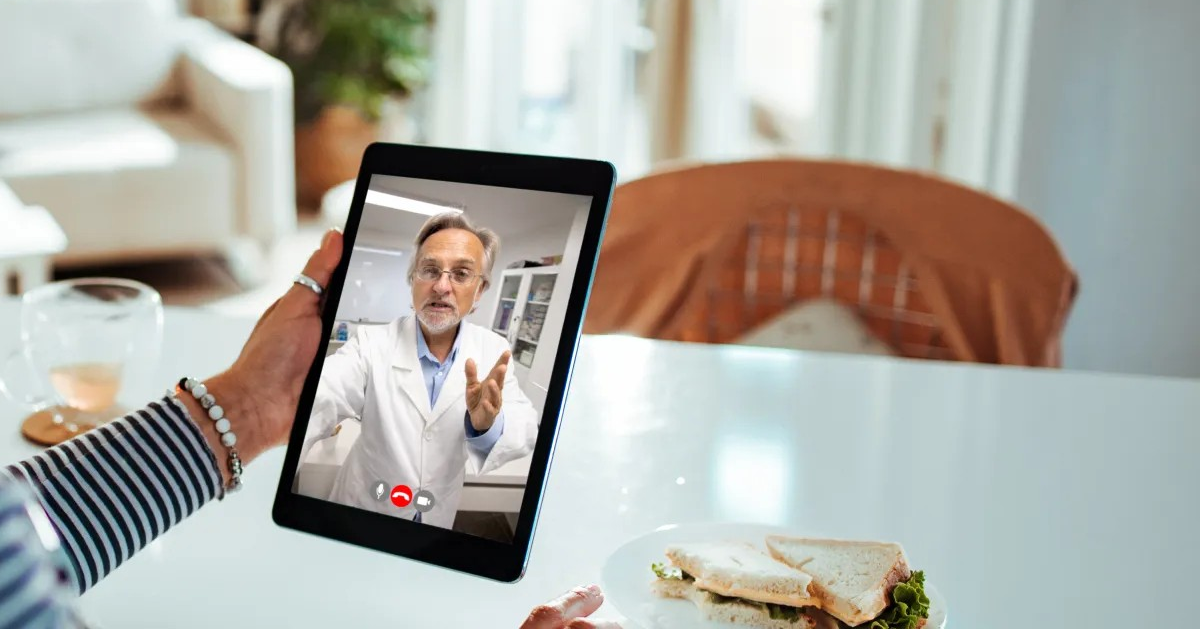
(442, 547)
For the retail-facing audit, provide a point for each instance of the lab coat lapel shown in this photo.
(455, 386)
(407, 368)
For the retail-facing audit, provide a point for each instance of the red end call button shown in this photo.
(402, 496)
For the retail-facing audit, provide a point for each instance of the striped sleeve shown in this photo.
(110, 491)
(35, 579)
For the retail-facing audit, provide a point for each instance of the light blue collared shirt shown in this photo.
(435, 373)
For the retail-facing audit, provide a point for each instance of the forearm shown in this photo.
(234, 398)
(112, 490)
(109, 492)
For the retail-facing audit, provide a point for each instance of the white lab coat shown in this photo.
(376, 376)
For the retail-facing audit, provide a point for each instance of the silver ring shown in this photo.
(308, 283)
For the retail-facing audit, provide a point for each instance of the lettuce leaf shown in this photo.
(777, 612)
(670, 572)
(909, 605)
(721, 599)
(783, 612)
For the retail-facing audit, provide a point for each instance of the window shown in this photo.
(548, 111)
(543, 76)
(779, 64)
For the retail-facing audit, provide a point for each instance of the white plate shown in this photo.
(627, 576)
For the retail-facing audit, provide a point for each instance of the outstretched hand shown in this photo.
(484, 398)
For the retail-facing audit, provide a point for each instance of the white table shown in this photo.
(1074, 493)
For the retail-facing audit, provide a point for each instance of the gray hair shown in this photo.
(458, 220)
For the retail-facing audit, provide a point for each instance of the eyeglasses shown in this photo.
(459, 276)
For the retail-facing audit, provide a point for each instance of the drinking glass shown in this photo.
(87, 347)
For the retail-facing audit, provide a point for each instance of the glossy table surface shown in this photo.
(1043, 498)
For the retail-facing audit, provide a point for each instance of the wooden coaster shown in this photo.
(41, 429)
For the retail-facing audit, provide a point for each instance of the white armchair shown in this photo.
(145, 133)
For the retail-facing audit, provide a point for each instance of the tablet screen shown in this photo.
(444, 341)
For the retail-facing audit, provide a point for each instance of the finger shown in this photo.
(577, 603)
(472, 375)
(503, 360)
(580, 623)
(497, 374)
(501, 368)
(320, 267)
(490, 409)
(493, 392)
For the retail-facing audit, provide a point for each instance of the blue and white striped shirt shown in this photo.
(73, 513)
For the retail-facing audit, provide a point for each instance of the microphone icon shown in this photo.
(379, 489)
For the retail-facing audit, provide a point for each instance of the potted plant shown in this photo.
(352, 62)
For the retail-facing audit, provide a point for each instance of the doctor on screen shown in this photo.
(432, 390)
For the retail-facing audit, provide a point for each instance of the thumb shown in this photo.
(472, 374)
(321, 264)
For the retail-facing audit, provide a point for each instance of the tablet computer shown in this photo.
(427, 423)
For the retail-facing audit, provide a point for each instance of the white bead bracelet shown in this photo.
(222, 425)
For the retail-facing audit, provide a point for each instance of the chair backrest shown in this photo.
(788, 255)
(936, 270)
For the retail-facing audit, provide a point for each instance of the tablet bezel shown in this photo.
(443, 547)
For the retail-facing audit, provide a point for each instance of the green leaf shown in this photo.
(783, 612)
(670, 572)
(909, 605)
(722, 600)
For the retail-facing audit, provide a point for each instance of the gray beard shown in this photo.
(438, 324)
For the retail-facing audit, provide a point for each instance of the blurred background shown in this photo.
(198, 145)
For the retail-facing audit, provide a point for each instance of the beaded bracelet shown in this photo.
(222, 425)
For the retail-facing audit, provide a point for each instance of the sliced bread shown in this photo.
(738, 612)
(738, 569)
(852, 579)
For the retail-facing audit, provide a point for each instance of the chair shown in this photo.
(710, 253)
(142, 131)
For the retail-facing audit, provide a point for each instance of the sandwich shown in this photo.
(736, 582)
(798, 583)
(858, 583)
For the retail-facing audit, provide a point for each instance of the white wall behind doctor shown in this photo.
(375, 288)
(1110, 158)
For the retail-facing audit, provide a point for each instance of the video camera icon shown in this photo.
(424, 501)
